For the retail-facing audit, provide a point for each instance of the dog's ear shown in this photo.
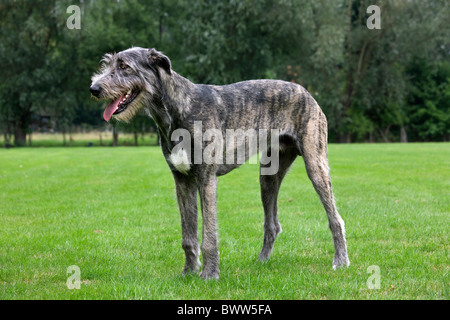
(156, 58)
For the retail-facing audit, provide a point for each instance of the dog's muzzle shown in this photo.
(95, 90)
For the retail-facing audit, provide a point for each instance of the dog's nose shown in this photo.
(95, 90)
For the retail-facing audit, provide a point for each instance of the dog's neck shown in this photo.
(176, 93)
(173, 102)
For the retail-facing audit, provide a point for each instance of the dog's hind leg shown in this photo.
(186, 188)
(270, 186)
(314, 152)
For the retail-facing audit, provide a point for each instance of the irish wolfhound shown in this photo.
(140, 78)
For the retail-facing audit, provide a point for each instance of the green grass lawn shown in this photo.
(112, 212)
(92, 138)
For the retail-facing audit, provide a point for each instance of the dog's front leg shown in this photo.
(207, 186)
(186, 187)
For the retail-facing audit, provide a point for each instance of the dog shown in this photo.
(143, 79)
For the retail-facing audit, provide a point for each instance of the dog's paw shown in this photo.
(209, 275)
(264, 256)
(192, 268)
(188, 271)
(339, 262)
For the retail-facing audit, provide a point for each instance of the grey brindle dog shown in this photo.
(142, 79)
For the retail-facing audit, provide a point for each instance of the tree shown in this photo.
(429, 100)
(376, 84)
(28, 37)
(385, 84)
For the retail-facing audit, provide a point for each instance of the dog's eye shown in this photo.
(123, 66)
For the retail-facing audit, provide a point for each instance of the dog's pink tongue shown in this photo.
(110, 109)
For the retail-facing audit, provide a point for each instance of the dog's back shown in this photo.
(258, 104)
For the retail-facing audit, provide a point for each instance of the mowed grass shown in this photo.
(92, 139)
(112, 212)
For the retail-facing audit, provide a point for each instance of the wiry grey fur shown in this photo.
(175, 102)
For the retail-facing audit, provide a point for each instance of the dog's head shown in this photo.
(129, 79)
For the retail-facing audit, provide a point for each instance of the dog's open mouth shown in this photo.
(119, 105)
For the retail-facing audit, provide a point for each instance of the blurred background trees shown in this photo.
(388, 84)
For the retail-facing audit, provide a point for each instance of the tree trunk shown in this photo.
(403, 134)
(70, 136)
(115, 137)
(7, 138)
(385, 133)
(344, 137)
(20, 136)
(64, 136)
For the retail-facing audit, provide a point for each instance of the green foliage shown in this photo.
(368, 82)
(228, 40)
(429, 100)
(27, 42)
